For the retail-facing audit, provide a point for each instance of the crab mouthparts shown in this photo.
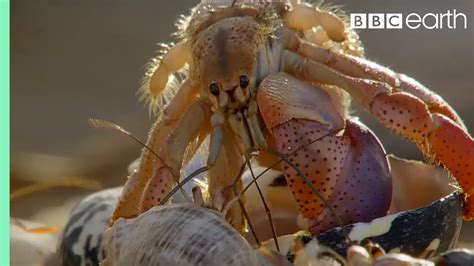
(232, 96)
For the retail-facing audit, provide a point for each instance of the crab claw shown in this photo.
(342, 160)
(399, 102)
(364, 189)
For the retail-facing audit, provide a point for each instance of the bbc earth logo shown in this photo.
(431, 21)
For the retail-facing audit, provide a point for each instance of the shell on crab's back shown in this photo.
(180, 234)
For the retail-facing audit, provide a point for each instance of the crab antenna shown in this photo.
(267, 210)
(179, 185)
(205, 169)
(281, 160)
(99, 123)
(238, 198)
(239, 195)
(202, 170)
(314, 190)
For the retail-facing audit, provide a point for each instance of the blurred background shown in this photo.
(73, 60)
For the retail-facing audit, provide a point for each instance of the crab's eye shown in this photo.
(244, 81)
(214, 88)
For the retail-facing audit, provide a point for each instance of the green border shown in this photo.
(4, 132)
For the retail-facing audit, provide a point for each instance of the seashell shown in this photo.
(177, 234)
(400, 260)
(423, 222)
(455, 257)
(81, 240)
(357, 255)
(301, 249)
(421, 232)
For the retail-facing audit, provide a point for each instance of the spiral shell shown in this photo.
(81, 239)
(178, 234)
(421, 224)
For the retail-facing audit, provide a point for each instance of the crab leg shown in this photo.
(437, 134)
(173, 60)
(217, 136)
(226, 167)
(224, 178)
(305, 17)
(191, 125)
(131, 195)
(361, 68)
(343, 160)
(454, 148)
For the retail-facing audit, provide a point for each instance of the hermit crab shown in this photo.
(419, 224)
(272, 81)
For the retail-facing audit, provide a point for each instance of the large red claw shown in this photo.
(350, 171)
(364, 189)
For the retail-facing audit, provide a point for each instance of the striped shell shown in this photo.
(81, 240)
(177, 234)
(435, 209)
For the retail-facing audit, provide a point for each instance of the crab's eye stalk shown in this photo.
(244, 81)
(214, 89)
